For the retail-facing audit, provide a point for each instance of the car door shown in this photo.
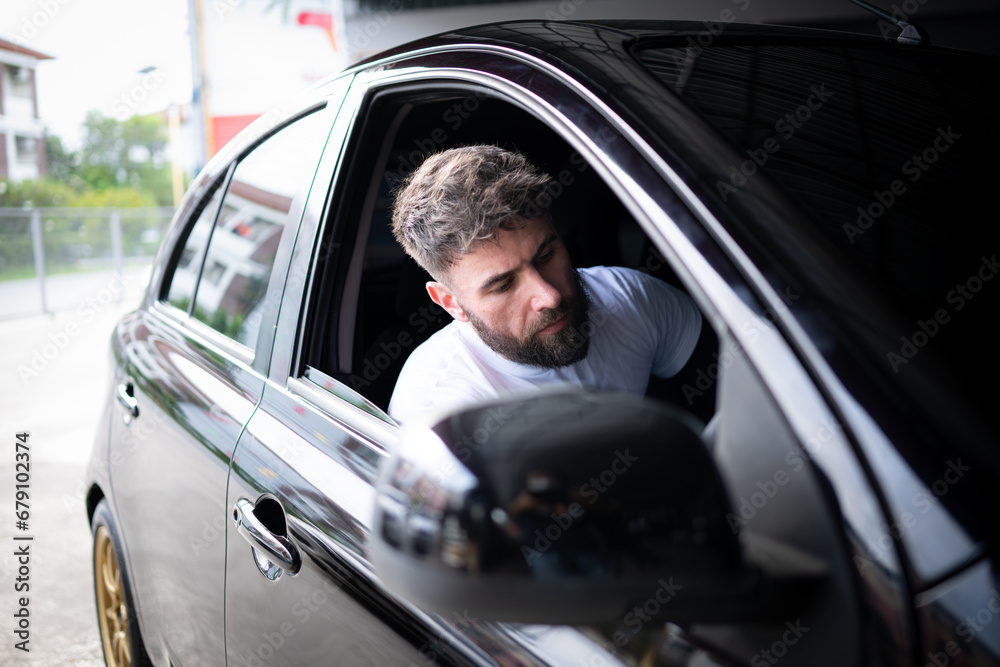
(299, 586)
(192, 371)
(301, 483)
(770, 413)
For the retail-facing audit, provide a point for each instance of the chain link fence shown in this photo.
(45, 252)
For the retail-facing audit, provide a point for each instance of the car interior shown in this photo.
(370, 303)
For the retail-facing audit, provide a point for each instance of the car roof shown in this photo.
(540, 38)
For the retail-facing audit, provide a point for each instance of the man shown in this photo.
(523, 317)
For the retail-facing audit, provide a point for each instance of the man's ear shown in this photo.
(442, 296)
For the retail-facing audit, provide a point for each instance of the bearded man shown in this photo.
(523, 316)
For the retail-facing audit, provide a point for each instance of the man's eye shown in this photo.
(546, 256)
(504, 286)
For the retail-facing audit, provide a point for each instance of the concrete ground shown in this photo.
(54, 374)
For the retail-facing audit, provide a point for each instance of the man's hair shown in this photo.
(458, 198)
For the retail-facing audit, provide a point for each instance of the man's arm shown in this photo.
(430, 383)
(672, 320)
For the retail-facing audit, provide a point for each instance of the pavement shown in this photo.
(54, 378)
(67, 291)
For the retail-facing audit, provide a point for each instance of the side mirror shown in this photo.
(569, 508)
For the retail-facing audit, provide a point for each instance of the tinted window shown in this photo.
(878, 146)
(253, 215)
(891, 155)
(188, 267)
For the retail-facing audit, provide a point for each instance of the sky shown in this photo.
(99, 48)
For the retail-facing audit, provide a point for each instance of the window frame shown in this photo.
(333, 229)
(258, 355)
(727, 287)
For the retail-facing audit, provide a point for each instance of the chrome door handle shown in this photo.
(127, 398)
(277, 548)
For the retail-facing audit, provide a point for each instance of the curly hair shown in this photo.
(460, 197)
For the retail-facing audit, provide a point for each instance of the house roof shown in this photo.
(14, 47)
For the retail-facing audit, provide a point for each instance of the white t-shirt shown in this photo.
(639, 326)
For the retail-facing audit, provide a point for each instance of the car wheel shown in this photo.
(116, 618)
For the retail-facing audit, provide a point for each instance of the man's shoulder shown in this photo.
(439, 373)
(440, 347)
(611, 285)
(619, 279)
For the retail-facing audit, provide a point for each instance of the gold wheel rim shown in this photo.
(111, 610)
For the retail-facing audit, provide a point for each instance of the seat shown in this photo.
(415, 319)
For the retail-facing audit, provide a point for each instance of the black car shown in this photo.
(816, 487)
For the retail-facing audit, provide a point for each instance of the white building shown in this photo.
(22, 134)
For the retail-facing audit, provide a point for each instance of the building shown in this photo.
(22, 134)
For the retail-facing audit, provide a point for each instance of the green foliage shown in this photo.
(126, 154)
(49, 193)
(31, 194)
(113, 198)
(60, 164)
(120, 165)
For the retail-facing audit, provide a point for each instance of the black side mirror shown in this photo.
(566, 508)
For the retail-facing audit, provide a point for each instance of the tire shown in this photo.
(121, 640)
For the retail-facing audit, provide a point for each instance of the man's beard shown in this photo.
(567, 346)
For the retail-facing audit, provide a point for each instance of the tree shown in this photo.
(30, 194)
(126, 154)
(60, 164)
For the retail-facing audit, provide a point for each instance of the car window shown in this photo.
(253, 214)
(890, 154)
(875, 144)
(188, 268)
(371, 308)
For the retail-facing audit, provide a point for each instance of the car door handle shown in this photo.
(278, 548)
(126, 396)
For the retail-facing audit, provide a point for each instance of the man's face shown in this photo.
(520, 293)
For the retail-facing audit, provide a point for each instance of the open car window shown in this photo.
(369, 306)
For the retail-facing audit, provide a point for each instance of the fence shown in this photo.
(41, 243)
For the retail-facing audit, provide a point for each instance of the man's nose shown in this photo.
(543, 294)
